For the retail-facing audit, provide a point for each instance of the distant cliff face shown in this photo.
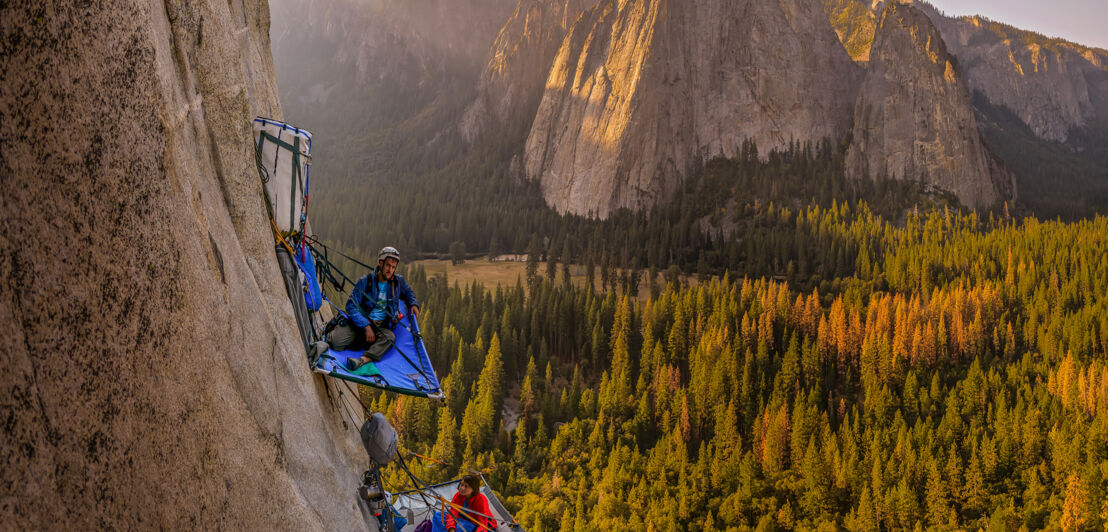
(1052, 85)
(914, 120)
(347, 67)
(643, 90)
(615, 102)
(153, 376)
(519, 61)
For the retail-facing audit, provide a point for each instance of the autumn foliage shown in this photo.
(955, 377)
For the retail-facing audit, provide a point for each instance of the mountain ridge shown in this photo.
(491, 127)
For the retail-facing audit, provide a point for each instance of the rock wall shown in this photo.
(914, 119)
(642, 91)
(153, 375)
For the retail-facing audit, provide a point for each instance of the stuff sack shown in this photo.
(379, 439)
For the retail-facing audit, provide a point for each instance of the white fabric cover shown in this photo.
(278, 164)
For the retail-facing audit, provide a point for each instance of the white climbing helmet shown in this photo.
(388, 251)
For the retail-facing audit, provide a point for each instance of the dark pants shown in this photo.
(352, 338)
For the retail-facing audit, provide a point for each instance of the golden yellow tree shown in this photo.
(1073, 509)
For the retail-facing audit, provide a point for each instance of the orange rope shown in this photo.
(281, 239)
(417, 455)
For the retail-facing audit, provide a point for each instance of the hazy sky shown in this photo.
(1081, 21)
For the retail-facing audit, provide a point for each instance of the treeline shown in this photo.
(720, 219)
(957, 380)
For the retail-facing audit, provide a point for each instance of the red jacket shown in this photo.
(478, 503)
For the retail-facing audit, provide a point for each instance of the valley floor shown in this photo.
(506, 273)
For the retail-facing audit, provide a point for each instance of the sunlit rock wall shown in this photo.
(642, 91)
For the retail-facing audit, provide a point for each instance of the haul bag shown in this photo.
(284, 156)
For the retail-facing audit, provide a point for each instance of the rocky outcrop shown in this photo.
(153, 376)
(641, 91)
(519, 61)
(1052, 85)
(914, 120)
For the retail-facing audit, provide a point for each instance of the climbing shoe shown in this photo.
(352, 364)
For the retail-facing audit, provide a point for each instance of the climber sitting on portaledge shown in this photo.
(372, 311)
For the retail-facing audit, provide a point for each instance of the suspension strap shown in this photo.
(313, 240)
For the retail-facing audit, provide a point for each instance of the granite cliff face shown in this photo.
(519, 61)
(1052, 85)
(641, 91)
(153, 375)
(914, 119)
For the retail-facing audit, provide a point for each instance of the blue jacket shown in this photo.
(364, 296)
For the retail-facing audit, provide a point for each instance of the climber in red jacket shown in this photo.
(470, 510)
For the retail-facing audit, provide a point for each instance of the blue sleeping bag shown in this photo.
(313, 295)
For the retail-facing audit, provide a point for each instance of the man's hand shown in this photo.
(369, 336)
(415, 311)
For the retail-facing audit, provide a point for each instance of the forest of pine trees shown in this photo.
(948, 372)
(855, 355)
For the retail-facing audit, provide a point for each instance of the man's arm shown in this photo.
(354, 304)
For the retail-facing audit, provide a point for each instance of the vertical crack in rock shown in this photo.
(218, 257)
